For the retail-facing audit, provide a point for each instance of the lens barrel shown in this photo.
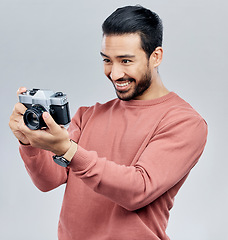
(33, 117)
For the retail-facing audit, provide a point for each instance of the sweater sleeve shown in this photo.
(44, 172)
(168, 157)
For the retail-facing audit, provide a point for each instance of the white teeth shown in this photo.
(122, 84)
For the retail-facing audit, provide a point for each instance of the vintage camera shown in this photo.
(38, 101)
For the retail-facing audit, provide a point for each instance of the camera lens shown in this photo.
(33, 117)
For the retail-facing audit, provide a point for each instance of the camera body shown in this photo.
(38, 101)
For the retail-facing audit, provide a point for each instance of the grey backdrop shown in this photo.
(55, 44)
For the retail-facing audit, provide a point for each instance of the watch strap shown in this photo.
(71, 151)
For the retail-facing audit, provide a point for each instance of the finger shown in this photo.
(19, 108)
(21, 137)
(22, 127)
(51, 124)
(21, 90)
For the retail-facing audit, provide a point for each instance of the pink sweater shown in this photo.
(132, 159)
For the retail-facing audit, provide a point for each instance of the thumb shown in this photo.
(51, 124)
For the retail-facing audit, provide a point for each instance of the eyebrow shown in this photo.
(120, 56)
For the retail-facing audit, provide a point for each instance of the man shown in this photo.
(127, 158)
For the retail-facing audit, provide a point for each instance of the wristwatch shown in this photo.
(65, 159)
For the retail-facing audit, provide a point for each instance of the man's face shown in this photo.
(126, 65)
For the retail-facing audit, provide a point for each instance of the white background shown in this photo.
(55, 44)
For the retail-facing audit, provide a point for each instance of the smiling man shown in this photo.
(125, 160)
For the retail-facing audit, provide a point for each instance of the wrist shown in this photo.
(60, 151)
(65, 159)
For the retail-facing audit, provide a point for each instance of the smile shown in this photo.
(122, 84)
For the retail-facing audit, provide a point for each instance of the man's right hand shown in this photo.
(16, 119)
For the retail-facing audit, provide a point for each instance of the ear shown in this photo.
(156, 57)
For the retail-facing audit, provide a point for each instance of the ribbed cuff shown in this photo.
(83, 160)
(29, 150)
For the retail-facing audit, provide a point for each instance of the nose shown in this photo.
(116, 73)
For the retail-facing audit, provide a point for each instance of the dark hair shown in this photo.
(136, 19)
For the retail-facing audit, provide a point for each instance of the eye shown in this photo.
(106, 60)
(126, 61)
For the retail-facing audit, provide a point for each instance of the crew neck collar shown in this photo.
(149, 102)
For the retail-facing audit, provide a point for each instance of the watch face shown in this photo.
(61, 161)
